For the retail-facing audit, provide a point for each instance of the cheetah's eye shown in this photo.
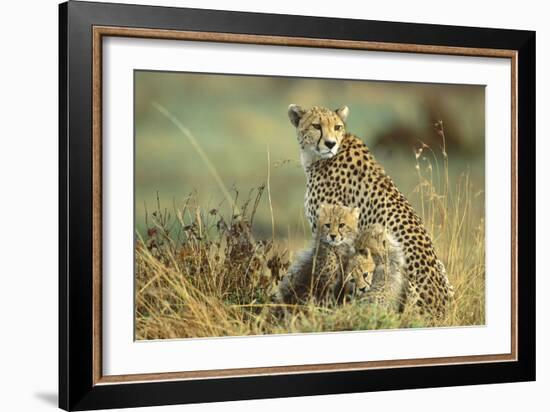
(327, 225)
(341, 225)
(338, 127)
(316, 126)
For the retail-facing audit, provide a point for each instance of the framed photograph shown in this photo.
(257, 205)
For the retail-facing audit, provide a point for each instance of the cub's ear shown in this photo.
(343, 112)
(323, 209)
(295, 113)
(356, 212)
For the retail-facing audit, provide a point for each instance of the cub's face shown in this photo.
(362, 271)
(338, 224)
(320, 131)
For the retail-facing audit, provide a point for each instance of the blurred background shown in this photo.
(237, 120)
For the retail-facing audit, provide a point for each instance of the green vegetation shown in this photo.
(237, 119)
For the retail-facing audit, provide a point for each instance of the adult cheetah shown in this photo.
(340, 169)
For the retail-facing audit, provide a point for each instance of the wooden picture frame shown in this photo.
(83, 26)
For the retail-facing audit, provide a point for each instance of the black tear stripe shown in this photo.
(320, 138)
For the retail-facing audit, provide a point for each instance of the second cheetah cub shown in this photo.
(389, 286)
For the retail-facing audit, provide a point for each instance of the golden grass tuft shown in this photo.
(200, 274)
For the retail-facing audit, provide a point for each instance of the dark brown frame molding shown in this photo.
(99, 32)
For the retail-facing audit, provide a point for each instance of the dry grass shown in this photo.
(202, 274)
(454, 214)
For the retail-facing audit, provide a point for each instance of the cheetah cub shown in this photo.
(322, 272)
(359, 276)
(389, 286)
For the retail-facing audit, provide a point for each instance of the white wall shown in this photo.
(28, 206)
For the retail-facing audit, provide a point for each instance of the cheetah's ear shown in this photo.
(343, 112)
(295, 113)
(356, 212)
(324, 210)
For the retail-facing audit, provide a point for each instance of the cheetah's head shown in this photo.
(361, 268)
(337, 224)
(320, 131)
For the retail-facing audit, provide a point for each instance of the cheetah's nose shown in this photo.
(330, 143)
(333, 237)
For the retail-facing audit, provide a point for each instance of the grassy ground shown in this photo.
(202, 273)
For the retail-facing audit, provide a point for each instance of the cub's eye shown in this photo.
(341, 225)
(327, 225)
(338, 127)
(316, 126)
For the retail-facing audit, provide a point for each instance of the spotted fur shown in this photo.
(348, 174)
(321, 272)
(389, 287)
